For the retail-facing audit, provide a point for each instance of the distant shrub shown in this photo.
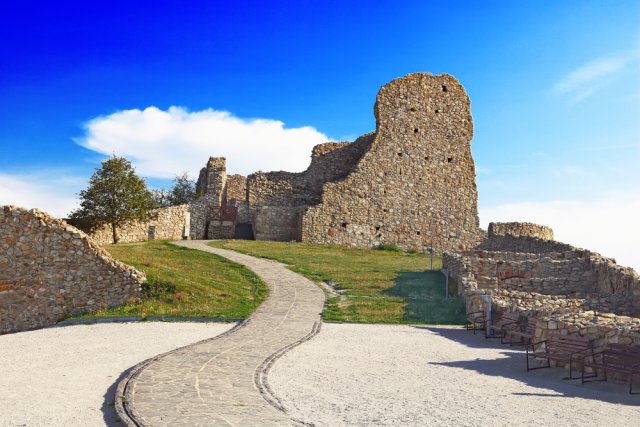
(390, 247)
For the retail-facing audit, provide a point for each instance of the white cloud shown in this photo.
(162, 144)
(51, 191)
(607, 225)
(592, 76)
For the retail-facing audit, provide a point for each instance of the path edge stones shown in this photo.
(128, 414)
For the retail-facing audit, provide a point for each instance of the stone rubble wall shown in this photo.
(573, 291)
(277, 189)
(520, 229)
(170, 224)
(409, 183)
(198, 211)
(415, 185)
(221, 230)
(50, 270)
(236, 187)
(525, 244)
(212, 181)
(277, 223)
(330, 162)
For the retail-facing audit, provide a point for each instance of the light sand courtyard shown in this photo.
(352, 374)
(66, 376)
(349, 374)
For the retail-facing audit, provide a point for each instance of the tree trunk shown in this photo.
(113, 231)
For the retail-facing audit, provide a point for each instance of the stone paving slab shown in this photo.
(222, 381)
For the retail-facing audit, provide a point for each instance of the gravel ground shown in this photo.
(423, 376)
(66, 376)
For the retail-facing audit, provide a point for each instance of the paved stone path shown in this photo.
(222, 381)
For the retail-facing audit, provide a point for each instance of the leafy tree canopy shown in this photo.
(182, 192)
(115, 195)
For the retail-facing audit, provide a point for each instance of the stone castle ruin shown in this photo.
(50, 270)
(410, 183)
(520, 268)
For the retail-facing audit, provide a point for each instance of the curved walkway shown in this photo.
(221, 381)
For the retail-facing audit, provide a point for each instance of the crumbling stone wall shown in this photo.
(212, 181)
(171, 223)
(520, 229)
(522, 237)
(415, 184)
(50, 270)
(281, 224)
(574, 291)
(411, 182)
(236, 187)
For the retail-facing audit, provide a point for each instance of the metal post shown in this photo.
(446, 282)
(487, 306)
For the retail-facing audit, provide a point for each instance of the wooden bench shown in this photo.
(525, 334)
(476, 320)
(499, 328)
(616, 358)
(562, 349)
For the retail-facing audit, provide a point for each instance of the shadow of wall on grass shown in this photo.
(424, 295)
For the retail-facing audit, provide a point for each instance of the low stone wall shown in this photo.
(568, 290)
(50, 270)
(520, 229)
(221, 230)
(601, 328)
(530, 245)
(170, 224)
(280, 224)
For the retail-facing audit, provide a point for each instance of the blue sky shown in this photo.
(555, 91)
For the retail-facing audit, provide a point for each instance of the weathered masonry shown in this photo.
(410, 183)
(50, 270)
(520, 268)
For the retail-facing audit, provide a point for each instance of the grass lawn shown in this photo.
(184, 282)
(375, 285)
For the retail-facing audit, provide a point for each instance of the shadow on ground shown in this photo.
(109, 414)
(424, 296)
(512, 364)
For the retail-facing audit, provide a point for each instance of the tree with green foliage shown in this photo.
(183, 190)
(115, 195)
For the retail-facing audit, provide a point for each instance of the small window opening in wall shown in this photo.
(344, 224)
(426, 157)
(377, 228)
(399, 155)
(413, 108)
(415, 130)
(449, 159)
(418, 233)
(445, 88)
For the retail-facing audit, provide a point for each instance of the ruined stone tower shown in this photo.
(410, 183)
(415, 185)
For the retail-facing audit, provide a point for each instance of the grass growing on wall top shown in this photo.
(184, 282)
(378, 286)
